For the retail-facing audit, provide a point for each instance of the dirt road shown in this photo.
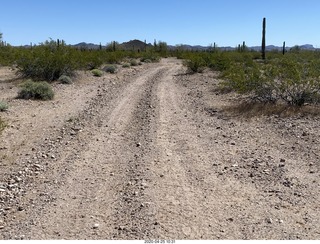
(153, 153)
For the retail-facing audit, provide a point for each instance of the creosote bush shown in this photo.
(287, 79)
(195, 64)
(36, 90)
(46, 62)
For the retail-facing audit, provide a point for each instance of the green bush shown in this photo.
(133, 62)
(150, 56)
(289, 79)
(195, 64)
(97, 72)
(3, 106)
(146, 60)
(126, 65)
(46, 62)
(64, 79)
(36, 90)
(110, 69)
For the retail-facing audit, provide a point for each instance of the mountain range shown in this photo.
(139, 45)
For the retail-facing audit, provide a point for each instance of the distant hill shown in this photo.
(86, 45)
(130, 45)
(140, 45)
(135, 45)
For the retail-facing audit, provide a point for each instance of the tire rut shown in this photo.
(98, 189)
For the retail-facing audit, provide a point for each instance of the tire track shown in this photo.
(100, 194)
(192, 201)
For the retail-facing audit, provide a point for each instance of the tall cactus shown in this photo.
(243, 46)
(284, 48)
(263, 47)
(114, 46)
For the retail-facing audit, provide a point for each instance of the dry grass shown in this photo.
(2, 125)
(254, 109)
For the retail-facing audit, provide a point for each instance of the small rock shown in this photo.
(282, 160)
(1, 227)
(138, 144)
(269, 220)
(95, 226)
(121, 227)
(280, 221)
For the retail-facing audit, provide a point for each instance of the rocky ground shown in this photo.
(153, 152)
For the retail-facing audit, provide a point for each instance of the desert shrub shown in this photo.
(146, 60)
(126, 65)
(3, 106)
(195, 64)
(110, 69)
(97, 72)
(46, 62)
(133, 62)
(298, 81)
(293, 81)
(219, 61)
(64, 79)
(150, 56)
(36, 90)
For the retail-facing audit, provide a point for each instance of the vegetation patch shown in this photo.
(134, 62)
(46, 62)
(3, 106)
(64, 79)
(110, 69)
(126, 65)
(36, 90)
(195, 64)
(97, 72)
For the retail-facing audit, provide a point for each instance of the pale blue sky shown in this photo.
(226, 22)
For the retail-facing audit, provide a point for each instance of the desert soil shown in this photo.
(153, 152)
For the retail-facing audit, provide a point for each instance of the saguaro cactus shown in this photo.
(243, 46)
(284, 48)
(263, 47)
